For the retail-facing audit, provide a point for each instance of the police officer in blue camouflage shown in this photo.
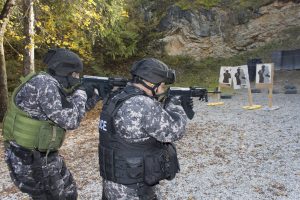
(43, 107)
(137, 127)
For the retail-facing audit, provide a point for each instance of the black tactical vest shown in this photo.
(130, 163)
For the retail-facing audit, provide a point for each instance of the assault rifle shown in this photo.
(186, 93)
(109, 83)
(106, 85)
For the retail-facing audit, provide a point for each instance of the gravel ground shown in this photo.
(227, 153)
(232, 153)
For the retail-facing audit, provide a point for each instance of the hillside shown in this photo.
(227, 31)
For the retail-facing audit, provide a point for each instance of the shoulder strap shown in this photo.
(121, 97)
(28, 77)
(23, 81)
(116, 101)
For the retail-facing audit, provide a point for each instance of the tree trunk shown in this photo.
(29, 37)
(4, 18)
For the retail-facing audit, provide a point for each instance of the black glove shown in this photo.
(103, 90)
(174, 99)
(88, 87)
(187, 104)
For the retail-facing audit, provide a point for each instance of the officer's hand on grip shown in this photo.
(187, 104)
(89, 88)
(174, 99)
(104, 90)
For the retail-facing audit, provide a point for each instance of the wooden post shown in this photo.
(270, 104)
(270, 96)
(250, 98)
(219, 94)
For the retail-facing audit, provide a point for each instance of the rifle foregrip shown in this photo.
(189, 92)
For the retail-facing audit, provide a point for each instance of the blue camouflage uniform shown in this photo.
(40, 175)
(139, 119)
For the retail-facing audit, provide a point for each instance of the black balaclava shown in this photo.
(61, 64)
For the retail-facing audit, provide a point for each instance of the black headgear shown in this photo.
(153, 71)
(62, 62)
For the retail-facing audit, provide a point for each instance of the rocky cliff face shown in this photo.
(222, 33)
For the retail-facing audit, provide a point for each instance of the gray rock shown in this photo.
(290, 91)
(255, 90)
(276, 91)
(198, 23)
(289, 87)
(226, 96)
(221, 32)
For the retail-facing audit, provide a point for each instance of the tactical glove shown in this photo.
(174, 99)
(187, 104)
(89, 88)
(104, 90)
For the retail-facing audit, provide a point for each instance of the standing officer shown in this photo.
(136, 134)
(43, 107)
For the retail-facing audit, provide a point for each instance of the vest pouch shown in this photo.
(128, 170)
(135, 167)
(11, 115)
(106, 163)
(171, 161)
(154, 169)
(8, 122)
(50, 137)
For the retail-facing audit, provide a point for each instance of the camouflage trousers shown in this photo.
(42, 177)
(115, 191)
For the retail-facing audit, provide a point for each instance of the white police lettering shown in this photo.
(102, 125)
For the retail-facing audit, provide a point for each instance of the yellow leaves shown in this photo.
(18, 38)
(78, 25)
(92, 2)
(10, 33)
(65, 43)
(20, 57)
(87, 22)
(45, 8)
(124, 14)
(29, 46)
(77, 16)
(38, 24)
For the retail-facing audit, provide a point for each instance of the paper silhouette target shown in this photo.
(240, 77)
(263, 74)
(225, 76)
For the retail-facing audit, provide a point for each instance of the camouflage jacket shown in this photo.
(139, 118)
(142, 117)
(41, 99)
